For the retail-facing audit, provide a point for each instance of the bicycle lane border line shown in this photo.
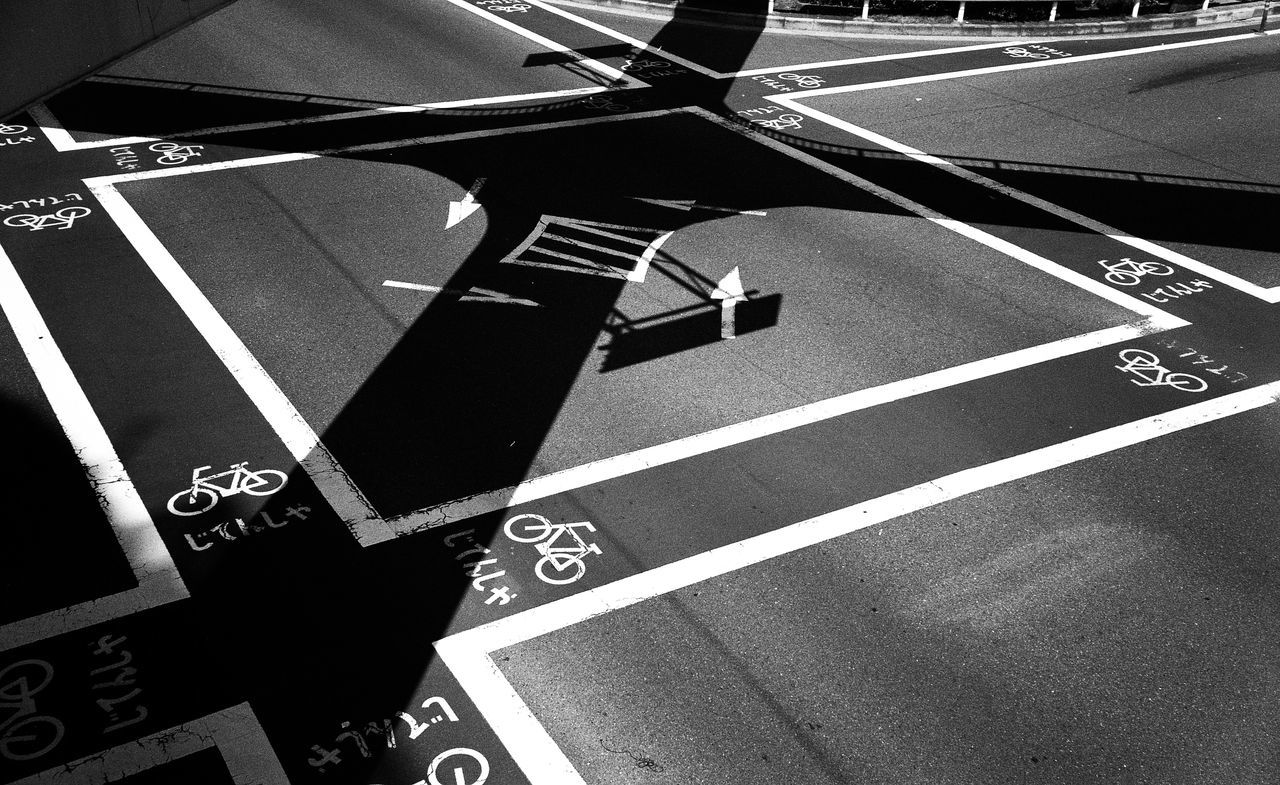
(1154, 320)
(626, 39)
(469, 653)
(605, 70)
(149, 559)
(234, 731)
(879, 58)
(369, 528)
(1267, 295)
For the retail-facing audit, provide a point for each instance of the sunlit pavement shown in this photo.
(492, 392)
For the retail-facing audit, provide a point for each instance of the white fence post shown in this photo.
(866, 8)
(960, 16)
(1136, 3)
(1053, 10)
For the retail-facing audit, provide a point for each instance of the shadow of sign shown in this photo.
(642, 340)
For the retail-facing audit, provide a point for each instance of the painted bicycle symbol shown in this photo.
(546, 535)
(640, 65)
(62, 219)
(459, 774)
(1127, 272)
(1147, 367)
(803, 80)
(1018, 51)
(26, 735)
(604, 103)
(510, 9)
(204, 492)
(7, 129)
(175, 153)
(782, 122)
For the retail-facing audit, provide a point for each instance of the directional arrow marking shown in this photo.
(473, 295)
(729, 292)
(460, 211)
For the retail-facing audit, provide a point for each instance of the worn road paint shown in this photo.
(729, 292)
(152, 565)
(473, 295)
(460, 210)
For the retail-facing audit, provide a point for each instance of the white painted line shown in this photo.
(878, 58)
(760, 427)
(638, 274)
(149, 559)
(1097, 288)
(1271, 295)
(460, 210)
(474, 295)
(626, 39)
(995, 69)
(235, 732)
(523, 129)
(301, 441)
(620, 79)
(468, 653)
(729, 292)
(394, 109)
(61, 139)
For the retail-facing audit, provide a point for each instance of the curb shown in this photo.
(828, 25)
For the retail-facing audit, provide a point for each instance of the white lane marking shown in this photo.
(641, 269)
(523, 129)
(729, 292)
(235, 732)
(301, 441)
(469, 653)
(395, 109)
(692, 204)
(878, 58)
(61, 139)
(131, 523)
(1076, 279)
(1271, 295)
(460, 210)
(626, 39)
(621, 79)
(995, 69)
(473, 295)
(749, 430)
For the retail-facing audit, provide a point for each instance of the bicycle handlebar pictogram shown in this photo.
(560, 558)
(204, 492)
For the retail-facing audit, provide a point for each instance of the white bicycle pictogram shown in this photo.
(204, 493)
(175, 153)
(62, 219)
(1151, 373)
(26, 735)
(1127, 272)
(604, 103)
(510, 9)
(562, 558)
(1018, 51)
(782, 122)
(640, 65)
(7, 129)
(803, 80)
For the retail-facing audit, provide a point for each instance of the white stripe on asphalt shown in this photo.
(1271, 295)
(149, 559)
(879, 58)
(235, 732)
(621, 79)
(468, 653)
(301, 441)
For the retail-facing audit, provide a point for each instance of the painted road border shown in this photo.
(234, 731)
(469, 654)
(135, 530)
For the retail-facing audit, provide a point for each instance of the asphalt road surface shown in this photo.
(494, 391)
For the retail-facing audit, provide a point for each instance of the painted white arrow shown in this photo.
(459, 211)
(729, 292)
(473, 295)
